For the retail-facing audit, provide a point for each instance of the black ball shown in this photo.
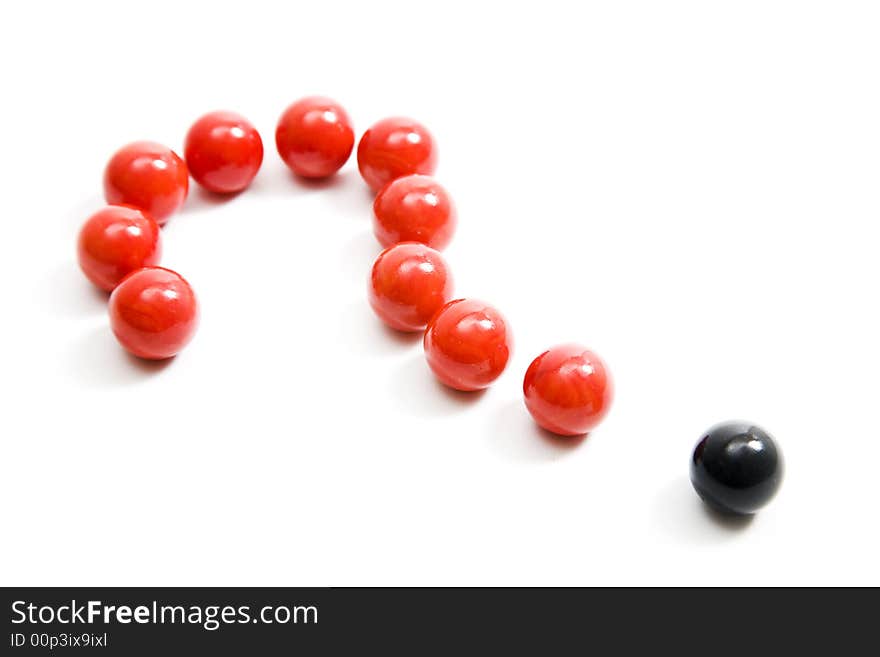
(736, 467)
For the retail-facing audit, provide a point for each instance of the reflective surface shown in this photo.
(116, 241)
(395, 147)
(736, 467)
(149, 176)
(223, 151)
(414, 208)
(153, 313)
(409, 283)
(568, 390)
(468, 344)
(314, 137)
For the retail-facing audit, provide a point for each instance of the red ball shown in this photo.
(149, 176)
(468, 344)
(314, 137)
(393, 148)
(154, 313)
(568, 390)
(223, 151)
(409, 283)
(116, 241)
(414, 208)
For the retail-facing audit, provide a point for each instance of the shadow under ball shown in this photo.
(736, 468)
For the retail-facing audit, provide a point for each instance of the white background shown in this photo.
(689, 188)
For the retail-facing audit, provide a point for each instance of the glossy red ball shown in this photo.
(568, 390)
(223, 151)
(414, 208)
(314, 137)
(395, 147)
(409, 283)
(116, 241)
(149, 176)
(154, 313)
(468, 344)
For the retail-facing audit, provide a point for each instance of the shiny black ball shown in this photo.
(736, 467)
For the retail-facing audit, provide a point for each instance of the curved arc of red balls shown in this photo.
(154, 311)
